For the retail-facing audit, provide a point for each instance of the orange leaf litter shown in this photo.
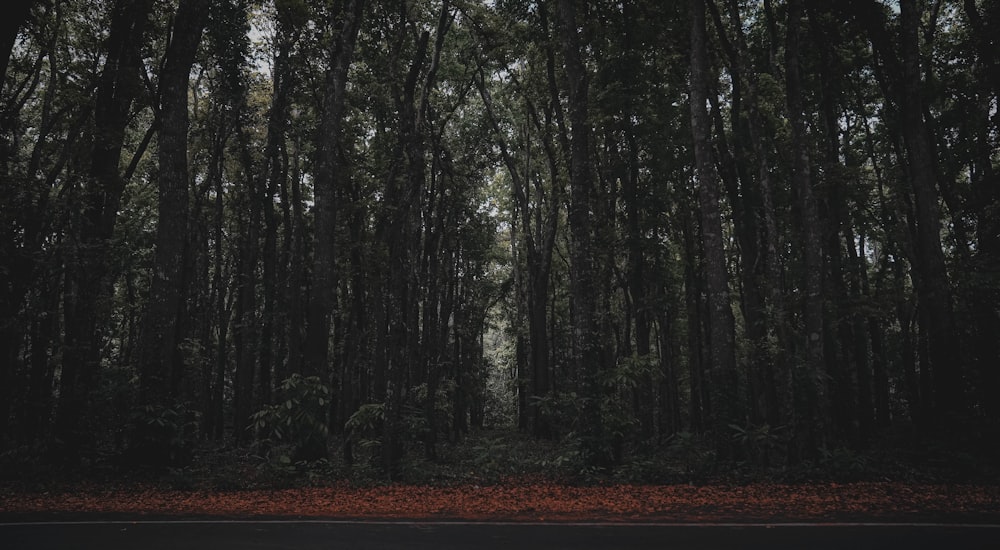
(539, 501)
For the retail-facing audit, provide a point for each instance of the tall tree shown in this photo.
(590, 355)
(904, 90)
(89, 278)
(15, 16)
(721, 324)
(161, 365)
(813, 382)
(932, 282)
(986, 193)
(331, 174)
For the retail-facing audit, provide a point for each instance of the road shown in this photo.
(308, 535)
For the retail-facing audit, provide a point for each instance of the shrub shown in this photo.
(298, 418)
(164, 435)
(364, 427)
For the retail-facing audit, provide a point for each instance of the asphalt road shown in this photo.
(486, 536)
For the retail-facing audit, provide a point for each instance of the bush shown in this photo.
(164, 435)
(760, 444)
(364, 428)
(298, 418)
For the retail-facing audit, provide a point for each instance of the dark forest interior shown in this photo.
(645, 239)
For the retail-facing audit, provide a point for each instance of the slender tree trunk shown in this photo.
(216, 425)
(402, 232)
(434, 302)
(640, 311)
(589, 348)
(986, 198)
(876, 334)
(89, 278)
(276, 160)
(330, 176)
(16, 14)
(245, 328)
(778, 389)
(41, 373)
(721, 335)
(699, 404)
(163, 326)
(774, 369)
(934, 289)
(746, 195)
(357, 355)
(295, 291)
(743, 195)
(814, 428)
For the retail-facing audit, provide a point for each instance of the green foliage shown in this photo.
(292, 14)
(364, 427)
(843, 464)
(571, 459)
(603, 446)
(760, 444)
(564, 409)
(298, 418)
(164, 435)
(630, 372)
(696, 454)
(227, 32)
(465, 217)
(442, 403)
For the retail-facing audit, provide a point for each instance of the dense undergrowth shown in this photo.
(492, 457)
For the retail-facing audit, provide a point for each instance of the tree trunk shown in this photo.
(16, 14)
(245, 327)
(814, 424)
(589, 347)
(934, 289)
(699, 403)
(401, 233)
(216, 420)
(330, 175)
(721, 332)
(163, 327)
(434, 299)
(274, 347)
(88, 279)
(986, 197)
(746, 197)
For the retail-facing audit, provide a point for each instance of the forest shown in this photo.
(650, 236)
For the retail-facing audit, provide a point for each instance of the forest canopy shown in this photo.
(358, 230)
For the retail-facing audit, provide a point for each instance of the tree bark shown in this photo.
(699, 402)
(246, 327)
(934, 288)
(330, 175)
(589, 347)
(161, 362)
(814, 425)
(986, 198)
(401, 232)
(16, 14)
(721, 332)
(88, 280)
(276, 272)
